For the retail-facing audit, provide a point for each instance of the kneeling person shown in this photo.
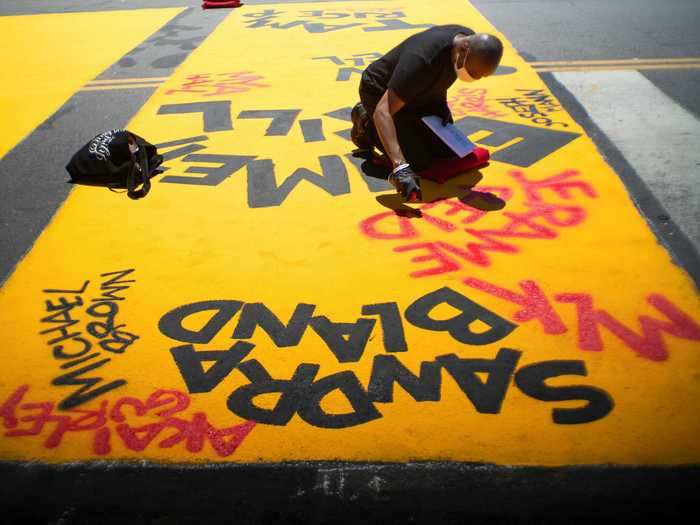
(410, 82)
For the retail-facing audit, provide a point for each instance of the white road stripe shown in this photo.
(659, 138)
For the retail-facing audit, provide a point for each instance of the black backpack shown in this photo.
(107, 160)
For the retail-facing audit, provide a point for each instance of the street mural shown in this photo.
(273, 300)
(45, 60)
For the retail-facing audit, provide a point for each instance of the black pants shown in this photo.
(419, 144)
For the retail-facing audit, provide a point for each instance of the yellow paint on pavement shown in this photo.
(47, 58)
(543, 277)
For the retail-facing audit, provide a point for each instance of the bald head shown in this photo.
(488, 49)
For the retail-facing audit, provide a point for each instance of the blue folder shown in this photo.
(450, 135)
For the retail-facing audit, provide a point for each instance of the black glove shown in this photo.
(406, 183)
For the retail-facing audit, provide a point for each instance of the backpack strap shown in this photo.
(139, 168)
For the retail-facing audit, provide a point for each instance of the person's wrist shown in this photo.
(397, 161)
(399, 167)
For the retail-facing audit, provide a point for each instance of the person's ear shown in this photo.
(465, 55)
(462, 52)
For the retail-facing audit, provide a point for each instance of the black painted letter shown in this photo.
(348, 350)
(257, 314)
(387, 370)
(458, 326)
(263, 190)
(292, 391)
(487, 397)
(170, 324)
(363, 410)
(531, 380)
(189, 362)
(392, 325)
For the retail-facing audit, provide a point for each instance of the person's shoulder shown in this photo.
(431, 43)
(457, 28)
(441, 30)
(439, 35)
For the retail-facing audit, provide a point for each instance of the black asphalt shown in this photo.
(547, 30)
(316, 493)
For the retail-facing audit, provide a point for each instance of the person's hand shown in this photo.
(405, 180)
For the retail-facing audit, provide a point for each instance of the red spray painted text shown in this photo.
(542, 220)
(135, 422)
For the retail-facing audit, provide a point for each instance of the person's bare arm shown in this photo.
(387, 107)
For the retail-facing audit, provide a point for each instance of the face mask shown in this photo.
(464, 75)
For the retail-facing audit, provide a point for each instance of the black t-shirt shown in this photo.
(419, 70)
